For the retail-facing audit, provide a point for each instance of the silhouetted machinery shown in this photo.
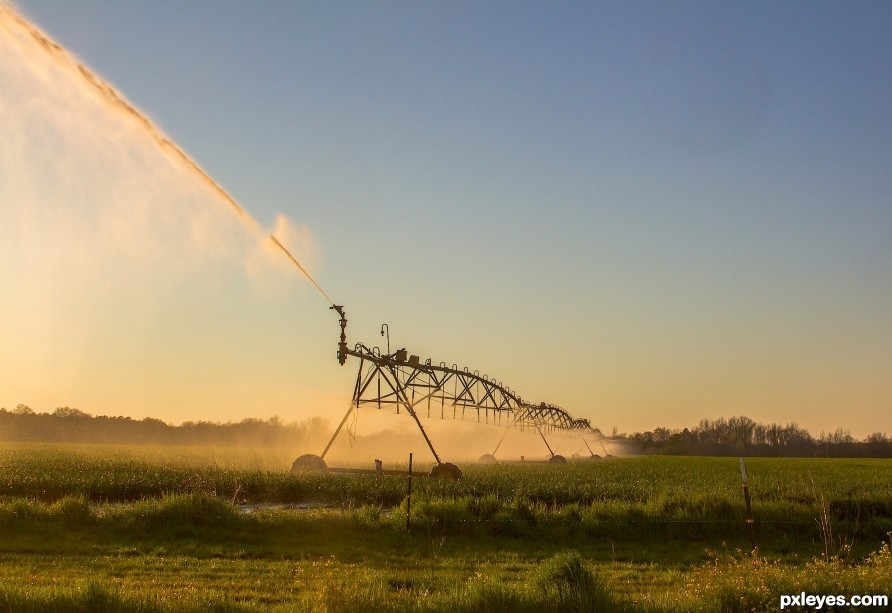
(406, 383)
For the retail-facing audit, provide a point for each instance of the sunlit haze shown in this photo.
(646, 213)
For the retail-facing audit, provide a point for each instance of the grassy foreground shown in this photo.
(112, 528)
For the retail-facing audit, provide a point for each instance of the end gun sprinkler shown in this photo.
(342, 346)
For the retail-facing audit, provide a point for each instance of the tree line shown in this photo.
(69, 425)
(719, 437)
(744, 436)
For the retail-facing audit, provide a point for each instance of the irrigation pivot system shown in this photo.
(404, 382)
(390, 379)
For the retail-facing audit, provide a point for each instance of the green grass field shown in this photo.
(156, 529)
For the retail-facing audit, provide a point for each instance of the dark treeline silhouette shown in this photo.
(720, 437)
(68, 425)
(743, 436)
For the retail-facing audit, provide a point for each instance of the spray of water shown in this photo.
(118, 102)
(134, 284)
(299, 267)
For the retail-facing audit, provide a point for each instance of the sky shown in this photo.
(647, 213)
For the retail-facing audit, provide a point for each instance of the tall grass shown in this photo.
(653, 497)
(564, 583)
(742, 581)
(97, 597)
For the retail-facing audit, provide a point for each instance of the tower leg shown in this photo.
(587, 446)
(539, 430)
(430, 445)
(501, 440)
(338, 431)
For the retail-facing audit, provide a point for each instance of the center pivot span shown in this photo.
(406, 383)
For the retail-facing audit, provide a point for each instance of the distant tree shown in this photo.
(841, 436)
(679, 443)
(70, 412)
(878, 445)
(796, 440)
(759, 434)
(740, 433)
(661, 435)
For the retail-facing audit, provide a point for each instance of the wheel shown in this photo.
(445, 470)
(307, 464)
(487, 458)
(557, 459)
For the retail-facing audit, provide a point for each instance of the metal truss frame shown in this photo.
(438, 390)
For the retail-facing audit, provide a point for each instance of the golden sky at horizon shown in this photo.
(131, 288)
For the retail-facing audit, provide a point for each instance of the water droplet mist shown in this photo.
(134, 283)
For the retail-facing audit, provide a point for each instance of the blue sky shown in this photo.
(645, 212)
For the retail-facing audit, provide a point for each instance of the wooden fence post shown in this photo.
(409, 498)
(746, 498)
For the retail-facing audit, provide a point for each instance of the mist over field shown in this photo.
(369, 435)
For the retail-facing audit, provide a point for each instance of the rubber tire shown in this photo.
(557, 459)
(308, 464)
(445, 470)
